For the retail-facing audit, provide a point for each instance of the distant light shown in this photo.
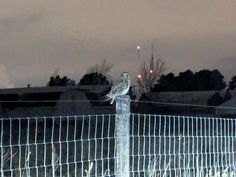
(151, 71)
(139, 76)
(138, 47)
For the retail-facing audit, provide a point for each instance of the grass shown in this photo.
(150, 172)
(199, 172)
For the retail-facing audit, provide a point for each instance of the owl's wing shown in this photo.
(111, 93)
(116, 89)
(121, 87)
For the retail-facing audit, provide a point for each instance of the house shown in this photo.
(56, 101)
(187, 103)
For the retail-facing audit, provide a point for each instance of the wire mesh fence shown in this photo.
(57, 146)
(159, 145)
(182, 146)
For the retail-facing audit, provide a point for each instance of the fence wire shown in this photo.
(57, 146)
(160, 145)
(182, 146)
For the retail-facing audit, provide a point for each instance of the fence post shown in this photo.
(122, 135)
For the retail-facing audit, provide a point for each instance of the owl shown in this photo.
(120, 88)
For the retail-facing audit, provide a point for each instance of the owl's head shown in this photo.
(125, 76)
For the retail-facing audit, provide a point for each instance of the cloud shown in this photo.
(4, 78)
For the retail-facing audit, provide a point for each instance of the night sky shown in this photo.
(39, 36)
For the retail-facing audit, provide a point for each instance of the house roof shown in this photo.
(190, 102)
(61, 100)
(91, 88)
(189, 97)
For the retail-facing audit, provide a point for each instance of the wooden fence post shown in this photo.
(122, 135)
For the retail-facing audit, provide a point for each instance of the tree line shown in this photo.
(152, 79)
(96, 75)
(87, 79)
(202, 80)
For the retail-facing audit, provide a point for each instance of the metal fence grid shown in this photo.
(182, 146)
(57, 146)
(160, 145)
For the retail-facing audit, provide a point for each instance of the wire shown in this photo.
(184, 104)
(50, 101)
(101, 101)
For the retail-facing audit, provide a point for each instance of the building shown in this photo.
(183, 103)
(56, 101)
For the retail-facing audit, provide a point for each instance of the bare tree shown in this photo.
(55, 72)
(149, 73)
(103, 68)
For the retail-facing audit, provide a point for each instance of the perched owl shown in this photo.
(120, 88)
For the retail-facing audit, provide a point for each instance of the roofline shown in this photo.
(91, 88)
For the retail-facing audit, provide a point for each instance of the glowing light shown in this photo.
(138, 47)
(151, 71)
(139, 76)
